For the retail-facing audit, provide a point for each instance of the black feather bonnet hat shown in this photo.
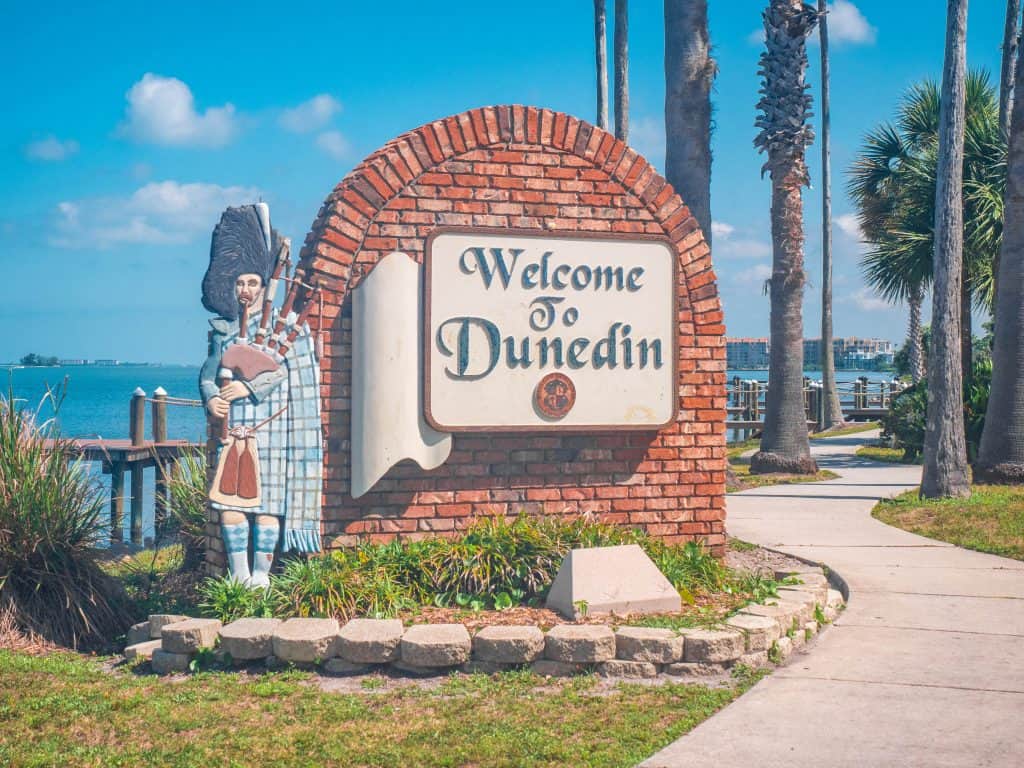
(242, 243)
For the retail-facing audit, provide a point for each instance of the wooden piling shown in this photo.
(160, 500)
(137, 431)
(117, 501)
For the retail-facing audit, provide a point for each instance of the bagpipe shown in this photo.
(237, 482)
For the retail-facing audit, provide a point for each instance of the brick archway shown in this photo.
(522, 167)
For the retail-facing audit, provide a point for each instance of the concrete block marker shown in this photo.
(166, 663)
(620, 579)
(138, 633)
(306, 641)
(158, 621)
(658, 646)
(711, 646)
(370, 641)
(759, 631)
(249, 639)
(435, 645)
(143, 650)
(190, 635)
(508, 645)
(580, 644)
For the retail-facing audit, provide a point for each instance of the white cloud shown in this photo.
(51, 149)
(867, 301)
(161, 110)
(334, 144)
(849, 226)
(755, 275)
(310, 115)
(721, 230)
(846, 24)
(158, 213)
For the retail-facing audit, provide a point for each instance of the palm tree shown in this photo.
(785, 135)
(1001, 454)
(892, 182)
(689, 74)
(622, 70)
(601, 53)
(833, 411)
(1011, 32)
(945, 445)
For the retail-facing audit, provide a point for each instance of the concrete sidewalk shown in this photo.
(924, 668)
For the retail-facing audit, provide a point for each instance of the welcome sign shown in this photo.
(535, 331)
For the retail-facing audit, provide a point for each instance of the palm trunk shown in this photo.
(833, 410)
(689, 73)
(945, 451)
(966, 326)
(785, 136)
(601, 55)
(1001, 455)
(916, 354)
(1011, 33)
(622, 70)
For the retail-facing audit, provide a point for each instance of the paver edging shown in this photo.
(701, 653)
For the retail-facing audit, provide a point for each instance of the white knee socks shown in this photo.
(264, 543)
(236, 547)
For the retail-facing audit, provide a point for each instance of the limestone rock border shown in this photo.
(757, 636)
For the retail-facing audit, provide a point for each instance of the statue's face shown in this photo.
(249, 289)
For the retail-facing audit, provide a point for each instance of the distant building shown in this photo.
(849, 352)
(747, 353)
(75, 361)
(106, 362)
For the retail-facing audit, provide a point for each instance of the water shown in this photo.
(96, 405)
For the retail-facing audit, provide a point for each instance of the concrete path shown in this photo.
(924, 668)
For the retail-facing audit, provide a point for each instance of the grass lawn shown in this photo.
(991, 520)
(742, 479)
(852, 429)
(67, 710)
(883, 453)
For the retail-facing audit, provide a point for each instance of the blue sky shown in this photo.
(131, 125)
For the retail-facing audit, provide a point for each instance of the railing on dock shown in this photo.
(860, 400)
(134, 456)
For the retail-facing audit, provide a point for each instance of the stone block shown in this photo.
(801, 594)
(695, 670)
(755, 659)
(623, 668)
(759, 632)
(799, 571)
(138, 633)
(339, 666)
(611, 579)
(834, 599)
(811, 628)
(783, 647)
(549, 668)
(781, 612)
(436, 645)
(658, 646)
(508, 645)
(306, 641)
(190, 635)
(712, 646)
(580, 644)
(157, 621)
(165, 662)
(273, 663)
(143, 650)
(370, 641)
(249, 639)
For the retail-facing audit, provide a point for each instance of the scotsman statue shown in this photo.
(261, 388)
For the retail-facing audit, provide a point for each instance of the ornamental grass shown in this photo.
(51, 584)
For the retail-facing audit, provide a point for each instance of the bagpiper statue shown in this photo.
(261, 388)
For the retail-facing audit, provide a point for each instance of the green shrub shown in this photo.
(905, 422)
(228, 599)
(50, 521)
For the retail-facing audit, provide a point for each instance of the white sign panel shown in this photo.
(535, 331)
